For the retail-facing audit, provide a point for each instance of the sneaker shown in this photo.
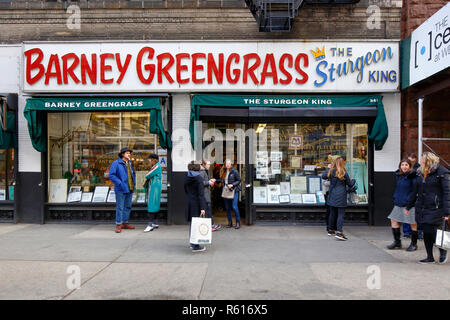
(154, 225)
(340, 236)
(148, 229)
(118, 228)
(213, 229)
(331, 232)
(426, 261)
(198, 248)
(443, 258)
(218, 226)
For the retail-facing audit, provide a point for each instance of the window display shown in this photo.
(82, 146)
(304, 152)
(7, 180)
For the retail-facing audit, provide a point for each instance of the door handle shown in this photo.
(40, 184)
(248, 185)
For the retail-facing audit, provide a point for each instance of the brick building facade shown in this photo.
(436, 118)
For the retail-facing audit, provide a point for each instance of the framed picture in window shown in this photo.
(309, 198)
(74, 196)
(58, 191)
(296, 162)
(259, 195)
(100, 194)
(284, 198)
(111, 196)
(320, 197)
(87, 196)
(276, 156)
(299, 185)
(273, 191)
(296, 198)
(285, 187)
(275, 167)
(314, 184)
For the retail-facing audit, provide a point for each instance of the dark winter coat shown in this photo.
(337, 194)
(234, 178)
(404, 188)
(206, 191)
(193, 187)
(431, 196)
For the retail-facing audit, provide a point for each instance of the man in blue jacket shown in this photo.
(122, 175)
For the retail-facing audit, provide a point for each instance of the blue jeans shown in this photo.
(232, 204)
(336, 216)
(123, 206)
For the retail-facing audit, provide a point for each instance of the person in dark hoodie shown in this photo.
(431, 199)
(337, 195)
(195, 203)
(407, 231)
(405, 181)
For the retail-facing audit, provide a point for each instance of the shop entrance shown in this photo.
(224, 141)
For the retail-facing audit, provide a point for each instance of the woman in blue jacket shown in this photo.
(337, 195)
(406, 178)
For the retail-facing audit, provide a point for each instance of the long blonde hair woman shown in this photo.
(431, 199)
(337, 195)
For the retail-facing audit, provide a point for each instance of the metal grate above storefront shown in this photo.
(278, 15)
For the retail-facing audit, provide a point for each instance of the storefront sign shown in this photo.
(428, 48)
(211, 65)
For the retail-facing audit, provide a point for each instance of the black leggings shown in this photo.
(429, 237)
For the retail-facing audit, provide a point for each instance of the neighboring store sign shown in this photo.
(370, 66)
(429, 47)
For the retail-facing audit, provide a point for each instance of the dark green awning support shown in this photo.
(8, 136)
(35, 114)
(378, 134)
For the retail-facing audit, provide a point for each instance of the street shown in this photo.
(255, 262)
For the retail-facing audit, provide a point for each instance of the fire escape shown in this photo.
(279, 15)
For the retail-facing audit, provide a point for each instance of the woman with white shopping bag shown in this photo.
(431, 201)
(195, 202)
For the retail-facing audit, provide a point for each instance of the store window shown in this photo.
(82, 146)
(292, 175)
(7, 180)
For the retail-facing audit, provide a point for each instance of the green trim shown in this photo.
(405, 60)
(35, 114)
(8, 136)
(378, 134)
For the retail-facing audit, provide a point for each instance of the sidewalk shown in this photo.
(254, 262)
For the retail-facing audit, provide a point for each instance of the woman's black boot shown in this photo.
(414, 237)
(397, 244)
(238, 225)
(230, 224)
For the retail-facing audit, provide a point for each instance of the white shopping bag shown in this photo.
(443, 239)
(201, 231)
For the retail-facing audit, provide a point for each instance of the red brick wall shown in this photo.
(436, 118)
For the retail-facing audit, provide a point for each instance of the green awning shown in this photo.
(8, 136)
(35, 114)
(378, 134)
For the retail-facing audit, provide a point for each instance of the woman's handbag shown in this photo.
(443, 237)
(227, 193)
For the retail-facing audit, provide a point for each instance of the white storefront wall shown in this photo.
(369, 76)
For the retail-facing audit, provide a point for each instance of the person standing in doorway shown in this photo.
(406, 179)
(431, 199)
(153, 191)
(122, 174)
(231, 181)
(337, 194)
(195, 202)
(207, 184)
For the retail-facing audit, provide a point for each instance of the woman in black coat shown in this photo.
(431, 200)
(337, 195)
(195, 202)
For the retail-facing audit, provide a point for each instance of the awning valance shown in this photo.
(8, 136)
(35, 114)
(378, 134)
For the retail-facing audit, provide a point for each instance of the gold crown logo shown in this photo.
(319, 54)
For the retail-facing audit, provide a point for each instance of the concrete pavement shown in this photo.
(255, 262)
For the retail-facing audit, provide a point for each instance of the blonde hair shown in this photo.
(339, 164)
(428, 161)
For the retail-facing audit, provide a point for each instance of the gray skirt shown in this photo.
(398, 214)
